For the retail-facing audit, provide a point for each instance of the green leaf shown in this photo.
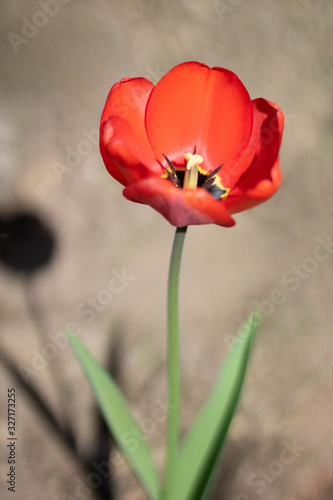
(198, 456)
(122, 425)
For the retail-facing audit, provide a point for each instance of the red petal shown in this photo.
(257, 160)
(121, 155)
(120, 152)
(195, 105)
(127, 100)
(257, 175)
(239, 201)
(181, 207)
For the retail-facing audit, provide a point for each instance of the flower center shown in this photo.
(193, 176)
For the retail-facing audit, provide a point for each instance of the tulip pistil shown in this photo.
(191, 172)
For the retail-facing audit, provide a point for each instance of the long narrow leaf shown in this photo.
(200, 451)
(122, 425)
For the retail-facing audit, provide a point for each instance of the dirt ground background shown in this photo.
(54, 82)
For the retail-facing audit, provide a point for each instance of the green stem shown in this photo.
(173, 355)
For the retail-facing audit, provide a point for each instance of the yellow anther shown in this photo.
(191, 174)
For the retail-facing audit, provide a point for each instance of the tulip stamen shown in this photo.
(211, 178)
(172, 173)
(192, 172)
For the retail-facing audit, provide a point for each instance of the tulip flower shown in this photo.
(194, 147)
(197, 149)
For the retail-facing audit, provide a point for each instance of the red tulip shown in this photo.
(194, 147)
